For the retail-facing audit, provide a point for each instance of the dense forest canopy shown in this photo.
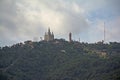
(60, 60)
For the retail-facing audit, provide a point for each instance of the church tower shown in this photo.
(48, 36)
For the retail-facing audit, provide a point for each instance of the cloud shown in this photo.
(113, 30)
(103, 11)
(58, 17)
(22, 20)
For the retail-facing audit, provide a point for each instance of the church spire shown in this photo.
(49, 33)
(49, 30)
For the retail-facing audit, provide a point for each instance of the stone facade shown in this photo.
(48, 36)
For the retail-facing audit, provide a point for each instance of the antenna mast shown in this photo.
(104, 31)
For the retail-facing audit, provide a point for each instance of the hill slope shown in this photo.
(60, 60)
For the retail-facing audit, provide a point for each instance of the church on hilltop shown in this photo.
(48, 36)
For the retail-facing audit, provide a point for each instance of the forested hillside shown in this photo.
(60, 60)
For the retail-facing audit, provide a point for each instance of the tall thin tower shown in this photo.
(104, 32)
(70, 37)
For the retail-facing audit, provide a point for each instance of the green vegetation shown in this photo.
(60, 60)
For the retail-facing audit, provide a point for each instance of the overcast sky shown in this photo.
(22, 20)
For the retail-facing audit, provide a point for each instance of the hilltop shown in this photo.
(60, 60)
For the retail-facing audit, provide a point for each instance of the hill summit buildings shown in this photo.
(49, 36)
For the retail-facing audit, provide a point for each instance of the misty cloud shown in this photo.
(21, 20)
(31, 18)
